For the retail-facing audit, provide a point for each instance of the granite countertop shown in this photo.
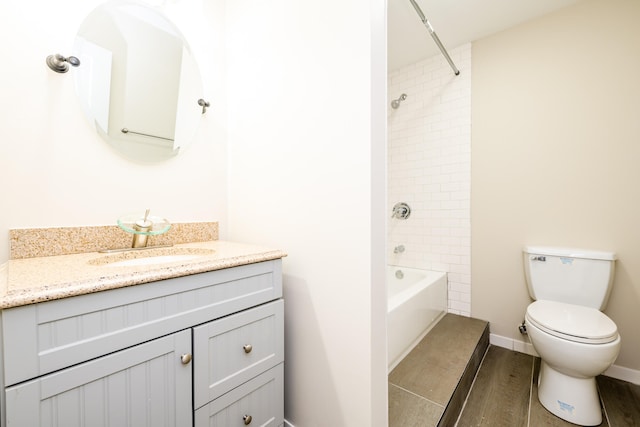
(33, 280)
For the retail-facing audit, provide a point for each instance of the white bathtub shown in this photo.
(417, 299)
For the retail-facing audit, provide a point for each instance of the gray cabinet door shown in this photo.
(145, 385)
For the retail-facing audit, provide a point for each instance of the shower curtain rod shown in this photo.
(434, 36)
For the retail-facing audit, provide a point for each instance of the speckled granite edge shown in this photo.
(41, 242)
(33, 280)
(3, 278)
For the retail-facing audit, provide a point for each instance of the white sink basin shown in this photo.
(151, 257)
(152, 260)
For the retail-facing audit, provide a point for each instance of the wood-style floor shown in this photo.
(449, 380)
(429, 386)
(505, 393)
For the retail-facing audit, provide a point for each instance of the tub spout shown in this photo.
(398, 249)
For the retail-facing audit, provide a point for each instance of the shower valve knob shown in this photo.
(401, 211)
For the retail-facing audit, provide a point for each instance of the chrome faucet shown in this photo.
(142, 227)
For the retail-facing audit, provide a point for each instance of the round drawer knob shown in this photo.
(247, 348)
(185, 358)
(247, 419)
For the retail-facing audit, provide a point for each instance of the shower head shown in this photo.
(396, 102)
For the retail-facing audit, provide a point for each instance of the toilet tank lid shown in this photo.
(570, 252)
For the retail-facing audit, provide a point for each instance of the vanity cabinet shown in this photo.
(199, 350)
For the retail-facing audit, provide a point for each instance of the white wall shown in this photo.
(306, 175)
(430, 169)
(55, 170)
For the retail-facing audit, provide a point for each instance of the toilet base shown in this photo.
(573, 399)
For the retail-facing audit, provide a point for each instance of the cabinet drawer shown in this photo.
(42, 338)
(261, 398)
(230, 351)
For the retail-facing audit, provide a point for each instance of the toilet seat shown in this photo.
(572, 322)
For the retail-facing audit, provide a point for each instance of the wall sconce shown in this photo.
(59, 63)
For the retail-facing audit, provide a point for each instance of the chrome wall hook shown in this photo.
(204, 104)
(59, 63)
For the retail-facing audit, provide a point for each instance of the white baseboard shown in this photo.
(511, 344)
(622, 373)
(618, 372)
(288, 424)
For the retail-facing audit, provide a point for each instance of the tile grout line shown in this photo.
(417, 395)
(533, 369)
(472, 384)
(604, 407)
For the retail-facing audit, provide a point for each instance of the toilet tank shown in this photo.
(573, 276)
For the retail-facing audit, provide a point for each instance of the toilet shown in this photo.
(567, 328)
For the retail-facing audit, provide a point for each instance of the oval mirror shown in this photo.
(138, 82)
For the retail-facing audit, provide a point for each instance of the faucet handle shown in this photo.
(401, 211)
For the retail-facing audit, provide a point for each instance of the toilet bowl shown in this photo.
(575, 344)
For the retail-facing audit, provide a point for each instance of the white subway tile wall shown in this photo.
(429, 167)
